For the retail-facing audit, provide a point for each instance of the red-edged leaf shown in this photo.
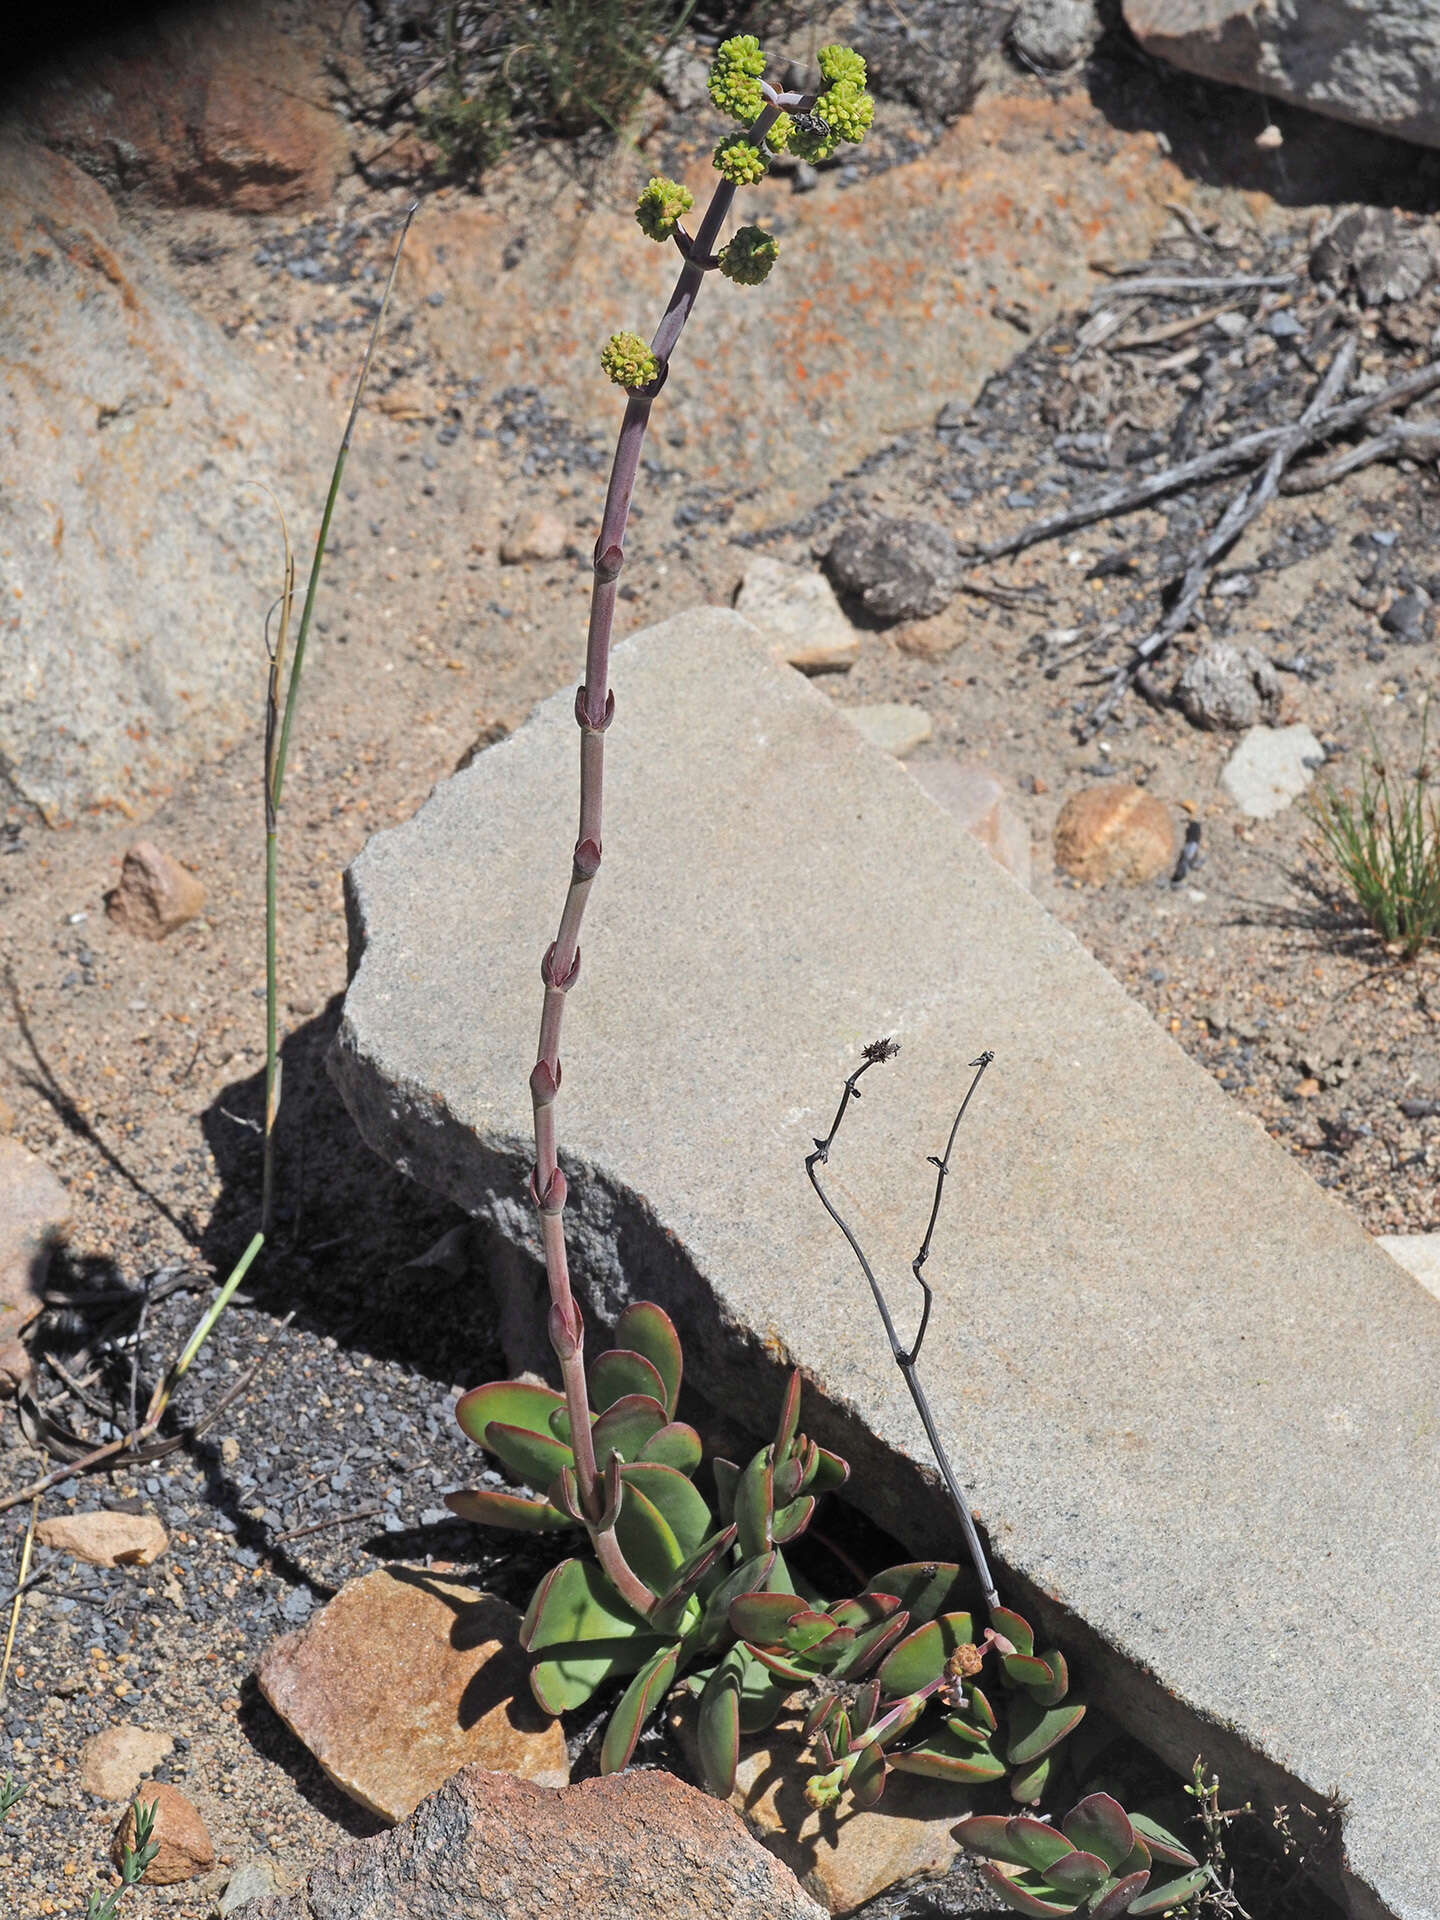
(920, 1657)
(637, 1703)
(867, 1777)
(649, 1331)
(921, 1587)
(1034, 1730)
(1121, 1897)
(534, 1457)
(626, 1426)
(718, 1725)
(1078, 1872)
(493, 1509)
(516, 1403)
(619, 1372)
(1162, 1843)
(675, 1445)
(1173, 1894)
(1022, 1893)
(1034, 1843)
(1015, 1627)
(790, 1522)
(1098, 1824)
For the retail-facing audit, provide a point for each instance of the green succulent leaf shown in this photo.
(1077, 1872)
(584, 1635)
(789, 1478)
(940, 1756)
(867, 1777)
(619, 1372)
(534, 1457)
(626, 1426)
(718, 1724)
(867, 1648)
(830, 1472)
(761, 1697)
(1173, 1894)
(648, 1330)
(750, 1576)
(1028, 1784)
(920, 1657)
(675, 1445)
(763, 1617)
(980, 1708)
(727, 1483)
(1162, 1843)
(647, 1540)
(576, 1602)
(755, 1505)
(1035, 1844)
(782, 1665)
(515, 1403)
(677, 1499)
(789, 1422)
(1015, 1627)
(487, 1508)
(1098, 1824)
(1034, 1730)
(921, 1587)
(965, 1731)
(865, 1610)
(1027, 1895)
(989, 1833)
(637, 1703)
(1029, 1671)
(791, 1521)
(1119, 1898)
(1059, 1686)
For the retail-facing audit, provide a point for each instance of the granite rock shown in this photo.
(1228, 688)
(973, 796)
(798, 611)
(1270, 769)
(1375, 63)
(1054, 35)
(632, 1846)
(156, 895)
(34, 1214)
(405, 1677)
(186, 1849)
(898, 569)
(105, 1539)
(114, 1761)
(1114, 834)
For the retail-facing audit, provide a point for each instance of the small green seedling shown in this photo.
(135, 1857)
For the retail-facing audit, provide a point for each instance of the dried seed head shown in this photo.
(880, 1050)
(965, 1662)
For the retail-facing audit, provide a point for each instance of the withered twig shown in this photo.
(22, 1581)
(1246, 505)
(1240, 452)
(320, 1526)
(905, 1358)
(1202, 283)
(1417, 439)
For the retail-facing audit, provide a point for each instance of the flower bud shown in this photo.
(629, 362)
(740, 163)
(660, 207)
(749, 256)
(838, 64)
(734, 82)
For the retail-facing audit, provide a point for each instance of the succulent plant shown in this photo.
(689, 1566)
(1097, 1863)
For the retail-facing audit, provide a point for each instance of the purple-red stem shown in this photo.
(594, 710)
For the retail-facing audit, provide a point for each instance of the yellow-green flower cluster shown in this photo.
(841, 66)
(629, 362)
(741, 163)
(749, 256)
(735, 78)
(844, 110)
(660, 207)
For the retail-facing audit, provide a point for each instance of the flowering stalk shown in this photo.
(737, 86)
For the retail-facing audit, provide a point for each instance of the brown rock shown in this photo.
(797, 609)
(404, 1678)
(842, 1863)
(633, 1846)
(199, 107)
(155, 895)
(115, 1761)
(17, 1369)
(977, 800)
(1114, 833)
(186, 1850)
(106, 1539)
(535, 536)
(34, 1212)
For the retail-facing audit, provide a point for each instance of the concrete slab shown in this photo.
(1196, 1406)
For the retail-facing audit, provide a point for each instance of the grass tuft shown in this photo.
(1385, 845)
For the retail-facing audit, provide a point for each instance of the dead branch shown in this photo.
(1239, 452)
(1246, 506)
(1413, 439)
(1203, 283)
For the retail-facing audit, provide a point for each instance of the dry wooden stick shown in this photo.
(1248, 503)
(1235, 453)
(1420, 439)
